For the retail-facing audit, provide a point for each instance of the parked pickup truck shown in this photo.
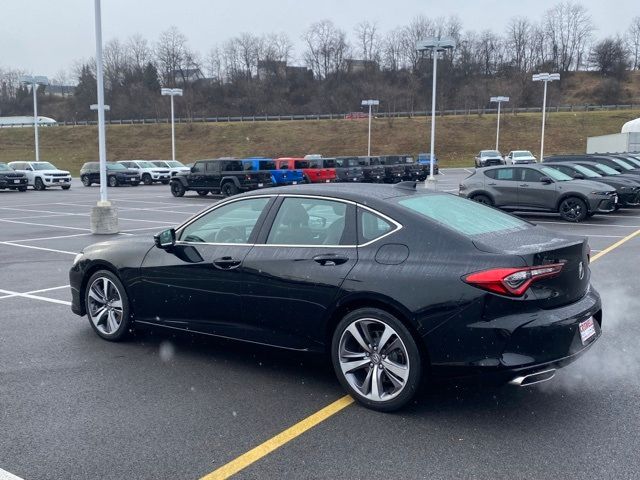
(223, 175)
(311, 169)
(348, 169)
(279, 176)
(412, 170)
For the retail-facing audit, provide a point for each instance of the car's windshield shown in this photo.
(43, 166)
(115, 166)
(146, 165)
(522, 154)
(624, 165)
(161, 164)
(464, 216)
(4, 167)
(606, 169)
(347, 162)
(489, 153)
(587, 172)
(555, 174)
(173, 164)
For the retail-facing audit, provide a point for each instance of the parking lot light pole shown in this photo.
(369, 103)
(499, 101)
(435, 46)
(172, 92)
(34, 81)
(546, 78)
(104, 216)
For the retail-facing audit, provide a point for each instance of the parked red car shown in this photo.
(313, 170)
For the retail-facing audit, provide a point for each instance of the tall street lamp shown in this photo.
(104, 216)
(499, 101)
(435, 46)
(369, 103)
(172, 92)
(34, 81)
(546, 78)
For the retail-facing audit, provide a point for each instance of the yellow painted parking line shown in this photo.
(264, 449)
(615, 245)
(255, 454)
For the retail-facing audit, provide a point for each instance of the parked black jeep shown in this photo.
(348, 169)
(412, 169)
(223, 175)
(380, 172)
(11, 179)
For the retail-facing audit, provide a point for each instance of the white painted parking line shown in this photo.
(50, 238)
(38, 248)
(35, 297)
(4, 475)
(45, 225)
(467, 170)
(588, 224)
(42, 290)
(605, 236)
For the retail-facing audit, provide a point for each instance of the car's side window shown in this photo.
(371, 226)
(311, 221)
(505, 174)
(231, 223)
(212, 167)
(531, 175)
(198, 168)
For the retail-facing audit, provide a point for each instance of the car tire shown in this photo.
(397, 366)
(165, 182)
(573, 209)
(85, 180)
(107, 306)
(22, 189)
(228, 189)
(483, 199)
(66, 187)
(38, 184)
(135, 184)
(113, 181)
(146, 179)
(177, 189)
(203, 193)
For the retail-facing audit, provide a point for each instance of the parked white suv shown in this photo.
(174, 166)
(149, 173)
(520, 156)
(41, 175)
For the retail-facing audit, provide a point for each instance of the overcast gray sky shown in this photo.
(44, 36)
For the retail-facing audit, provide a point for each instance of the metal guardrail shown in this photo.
(336, 116)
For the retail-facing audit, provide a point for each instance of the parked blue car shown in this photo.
(278, 177)
(424, 159)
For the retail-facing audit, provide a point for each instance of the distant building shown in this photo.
(358, 66)
(272, 68)
(187, 75)
(299, 74)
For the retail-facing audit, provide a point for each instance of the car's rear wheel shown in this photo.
(165, 182)
(85, 180)
(22, 189)
(228, 189)
(146, 179)
(573, 209)
(483, 199)
(376, 359)
(113, 181)
(177, 189)
(66, 187)
(38, 184)
(203, 193)
(107, 306)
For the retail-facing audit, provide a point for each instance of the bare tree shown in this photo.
(518, 38)
(138, 51)
(171, 54)
(115, 63)
(214, 64)
(633, 42)
(327, 48)
(569, 28)
(610, 57)
(392, 50)
(419, 28)
(368, 42)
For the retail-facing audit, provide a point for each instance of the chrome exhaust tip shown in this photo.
(533, 378)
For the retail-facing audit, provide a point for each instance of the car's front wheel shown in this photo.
(177, 189)
(107, 305)
(38, 184)
(229, 189)
(146, 179)
(483, 199)
(113, 181)
(376, 359)
(85, 180)
(573, 209)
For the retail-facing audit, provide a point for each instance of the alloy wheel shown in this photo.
(572, 209)
(373, 359)
(105, 306)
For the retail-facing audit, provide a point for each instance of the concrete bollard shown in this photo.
(104, 219)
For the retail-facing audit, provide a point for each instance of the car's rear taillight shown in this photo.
(512, 282)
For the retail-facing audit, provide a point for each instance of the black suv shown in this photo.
(225, 176)
(116, 175)
(348, 169)
(372, 171)
(11, 179)
(412, 169)
(392, 173)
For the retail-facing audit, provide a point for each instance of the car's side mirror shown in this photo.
(192, 170)
(578, 176)
(29, 169)
(546, 180)
(165, 239)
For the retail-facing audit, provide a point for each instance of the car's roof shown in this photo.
(537, 166)
(356, 192)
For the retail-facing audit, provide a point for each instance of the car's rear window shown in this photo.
(464, 216)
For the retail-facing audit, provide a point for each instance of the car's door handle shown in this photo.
(491, 184)
(226, 263)
(524, 184)
(330, 259)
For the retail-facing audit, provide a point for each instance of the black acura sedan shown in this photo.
(393, 282)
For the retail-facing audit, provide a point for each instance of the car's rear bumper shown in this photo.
(521, 343)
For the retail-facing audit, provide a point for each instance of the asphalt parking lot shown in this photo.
(161, 406)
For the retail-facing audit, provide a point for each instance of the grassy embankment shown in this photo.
(458, 138)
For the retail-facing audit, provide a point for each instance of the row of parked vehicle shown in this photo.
(229, 176)
(488, 158)
(575, 186)
(39, 175)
